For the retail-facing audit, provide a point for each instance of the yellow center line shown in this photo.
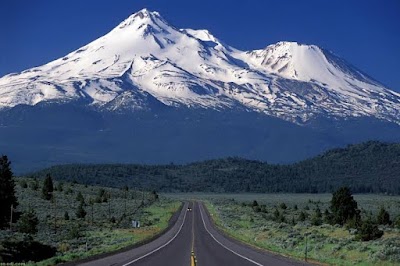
(193, 261)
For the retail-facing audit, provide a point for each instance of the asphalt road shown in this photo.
(194, 232)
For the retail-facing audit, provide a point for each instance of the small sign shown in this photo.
(135, 224)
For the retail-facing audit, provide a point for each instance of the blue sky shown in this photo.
(365, 33)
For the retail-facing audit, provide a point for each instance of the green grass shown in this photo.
(326, 243)
(81, 238)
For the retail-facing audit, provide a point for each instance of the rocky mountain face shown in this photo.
(150, 92)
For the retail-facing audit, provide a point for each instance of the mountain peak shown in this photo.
(147, 56)
(141, 17)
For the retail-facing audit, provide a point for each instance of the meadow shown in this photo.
(275, 225)
(106, 226)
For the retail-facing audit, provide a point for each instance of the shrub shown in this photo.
(75, 232)
(257, 208)
(383, 217)
(47, 189)
(316, 219)
(60, 187)
(23, 184)
(283, 206)
(302, 216)
(28, 222)
(80, 198)
(35, 184)
(66, 216)
(25, 250)
(80, 212)
(368, 231)
(397, 222)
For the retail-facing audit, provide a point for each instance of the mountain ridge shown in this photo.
(356, 166)
(144, 54)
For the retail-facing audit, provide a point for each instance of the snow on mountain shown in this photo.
(146, 61)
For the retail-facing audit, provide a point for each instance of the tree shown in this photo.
(368, 231)
(397, 222)
(35, 184)
(66, 216)
(60, 186)
(316, 218)
(47, 189)
(283, 206)
(80, 212)
(343, 206)
(255, 203)
(80, 198)
(28, 222)
(383, 217)
(302, 216)
(7, 191)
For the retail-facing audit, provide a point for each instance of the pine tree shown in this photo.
(316, 218)
(66, 216)
(28, 222)
(343, 206)
(47, 189)
(80, 198)
(383, 217)
(302, 216)
(80, 212)
(7, 191)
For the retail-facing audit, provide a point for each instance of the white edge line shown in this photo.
(250, 260)
(160, 247)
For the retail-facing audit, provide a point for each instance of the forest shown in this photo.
(370, 167)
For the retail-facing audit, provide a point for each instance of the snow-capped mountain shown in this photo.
(148, 92)
(145, 62)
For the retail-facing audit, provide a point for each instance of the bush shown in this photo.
(66, 216)
(25, 250)
(302, 216)
(23, 184)
(368, 231)
(35, 184)
(80, 212)
(75, 232)
(47, 189)
(80, 198)
(316, 219)
(28, 223)
(283, 206)
(383, 217)
(397, 222)
(257, 208)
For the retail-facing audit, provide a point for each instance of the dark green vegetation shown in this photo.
(284, 223)
(8, 199)
(75, 221)
(371, 167)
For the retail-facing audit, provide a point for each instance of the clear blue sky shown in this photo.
(365, 33)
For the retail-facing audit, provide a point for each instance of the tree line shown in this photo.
(370, 167)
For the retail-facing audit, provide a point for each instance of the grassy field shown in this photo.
(106, 226)
(276, 227)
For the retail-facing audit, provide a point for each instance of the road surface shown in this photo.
(193, 233)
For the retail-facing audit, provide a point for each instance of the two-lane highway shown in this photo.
(194, 234)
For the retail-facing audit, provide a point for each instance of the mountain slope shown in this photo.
(145, 58)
